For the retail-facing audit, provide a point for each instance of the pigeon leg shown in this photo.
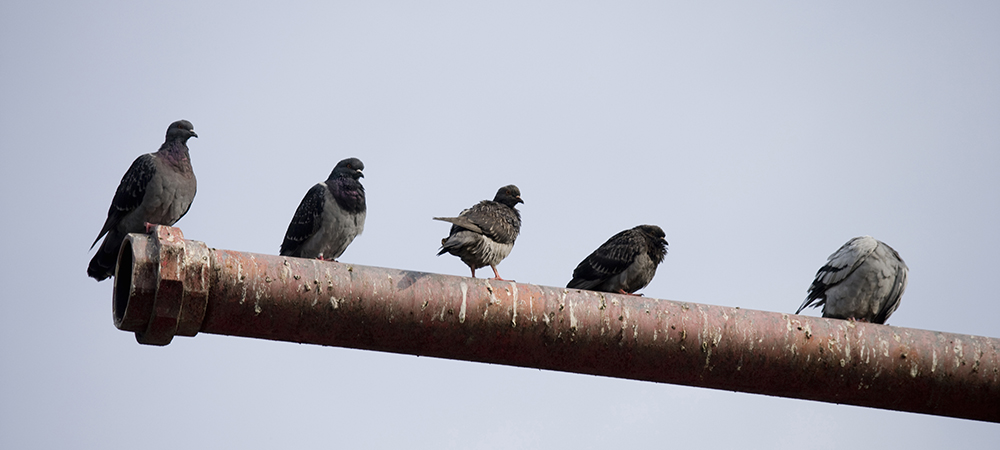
(324, 258)
(149, 227)
(473, 271)
(622, 291)
(497, 274)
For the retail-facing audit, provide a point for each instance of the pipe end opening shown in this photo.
(123, 281)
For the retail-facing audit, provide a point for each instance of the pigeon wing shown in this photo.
(306, 221)
(610, 259)
(495, 221)
(896, 265)
(130, 193)
(839, 266)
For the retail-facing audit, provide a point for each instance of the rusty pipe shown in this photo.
(167, 286)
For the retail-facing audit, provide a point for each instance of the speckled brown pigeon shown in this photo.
(484, 234)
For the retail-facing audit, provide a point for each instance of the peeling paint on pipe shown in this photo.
(169, 286)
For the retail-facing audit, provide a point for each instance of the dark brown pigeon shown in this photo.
(863, 281)
(484, 234)
(158, 189)
(330, 216)
(624, 264)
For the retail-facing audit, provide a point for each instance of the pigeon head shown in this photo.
(657, 241)
(180, 130)
(345, 185)
(652, 231)
(350, 167)
(509, 195)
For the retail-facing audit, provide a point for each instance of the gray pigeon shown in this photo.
(157, 189)
(330, 216)
(862, 281)
(624, 264)
(484, 234)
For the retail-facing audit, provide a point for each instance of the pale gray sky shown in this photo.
(760, 136)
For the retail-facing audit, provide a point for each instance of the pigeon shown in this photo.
(484, 234)
(861, 281)
(624, 264)
(157, 189)
(330, 216)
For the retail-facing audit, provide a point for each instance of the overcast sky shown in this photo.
(760, 135)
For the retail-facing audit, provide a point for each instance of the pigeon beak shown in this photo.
(360, 175)
(519, 199)
(193, 134)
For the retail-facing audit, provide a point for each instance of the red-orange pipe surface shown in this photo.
(167, 286)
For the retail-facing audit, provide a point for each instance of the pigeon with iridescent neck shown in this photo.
(156, 190)
(330, 216)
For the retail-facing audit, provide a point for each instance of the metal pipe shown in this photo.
(169, 286)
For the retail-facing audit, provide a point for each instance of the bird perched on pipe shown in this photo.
(484, 234)
(624, 264)
(330, 216)
(156, 190)
(863, 281)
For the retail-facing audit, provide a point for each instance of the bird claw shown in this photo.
(149, 227)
